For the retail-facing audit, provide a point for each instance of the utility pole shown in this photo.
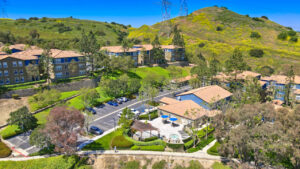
(184, 11)
(166, 15)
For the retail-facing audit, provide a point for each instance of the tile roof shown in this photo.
(135, 48)
(297, 91)
(280, 79)
(242, 76)
(188, 109)
(209, 94)
(262, 83)
(30, 54)
(55, 53)
(168, 100)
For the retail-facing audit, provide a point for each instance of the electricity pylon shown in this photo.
(166, 15)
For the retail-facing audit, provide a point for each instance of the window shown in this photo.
(21, 72)
(0, 73)
(59, 74)
(81, 66)
(14, 64)
(58, 68)
(20, 63)
(16, 72)
(7, 81)
(5, 72)
(17, 79)
(57, 60)
(0, 65)
(82, 72)
(1, 82)
(22, 79)
(4, 64)
(298, 97)
(81, 59)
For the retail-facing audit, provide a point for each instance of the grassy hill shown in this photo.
(66, 30)
(217, 31)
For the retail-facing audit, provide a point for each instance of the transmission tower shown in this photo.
(3, 4)
(166, 15)
(184, 10)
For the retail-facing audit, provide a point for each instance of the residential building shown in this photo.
(192, 106)
(67, 64)
(142, 54)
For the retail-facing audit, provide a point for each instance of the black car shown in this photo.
(96, 130)
(91, 110)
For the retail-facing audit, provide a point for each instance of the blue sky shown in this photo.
(137, 13)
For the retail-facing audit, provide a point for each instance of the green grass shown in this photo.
(61, 162)
(202, 133)
(218, 165)
(4, 150)
(214, 149)
(104, 142)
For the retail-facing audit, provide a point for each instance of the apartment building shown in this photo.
(143, 55)
(67, 64)
(13, 67)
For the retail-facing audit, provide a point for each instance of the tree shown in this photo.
(149, 92)
(126, 118)
(252, 92)
(121, 63)
(157, 51)
(89, 46)
(32, 71)
(73, 66)
(294, 39)
(89, 97)
(7, 37)
(63, 126)
(39, 137)
(23, 119)
(126, 45)
(45, 64)
(34, 34)
(255, 35)
(288, 87)
(178, 39)
(45, 98)
(282, 36)
(266, 71)
(236, 64)
(258, 53)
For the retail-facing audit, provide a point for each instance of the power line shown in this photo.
(184, 11)
(166, 16)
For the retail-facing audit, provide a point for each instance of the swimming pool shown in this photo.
(174, 136)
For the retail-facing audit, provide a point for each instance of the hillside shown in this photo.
(217, 31)
(66, 30)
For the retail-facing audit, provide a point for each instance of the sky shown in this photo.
(137, 13)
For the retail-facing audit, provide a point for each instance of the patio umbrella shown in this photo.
(164, 116)
(173, 119)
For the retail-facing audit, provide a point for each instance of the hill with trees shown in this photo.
(216, 31)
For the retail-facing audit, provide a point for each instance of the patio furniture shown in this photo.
(172, 120)
(164, 117)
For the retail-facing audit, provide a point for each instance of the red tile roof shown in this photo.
(168, 100)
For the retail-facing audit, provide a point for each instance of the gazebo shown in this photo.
(143, 127)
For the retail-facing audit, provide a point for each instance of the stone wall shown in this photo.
(63, 87)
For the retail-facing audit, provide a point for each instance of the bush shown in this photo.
(294, 39)
(266, 71)
(153, 115)
(121, 142)
(201, 144)
(141, 143)
(189, 144)
(265, 17)
(151, 138)
(175, 146)
(15, 96)
(258, 53)
(4, 150)
(10, 131)
(202, 133)
(255, 35)
(258, 19)
(149, 148)
(214, 149)
(292, 33)
(201, 45)
(282, 36)
(219, 28)
(159, 165)
(187, 139)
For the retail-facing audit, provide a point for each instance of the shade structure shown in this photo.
(164, 116)
(173, 119)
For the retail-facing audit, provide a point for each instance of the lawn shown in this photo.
(104, 142)
(214, 149)
(61, 162)
(4, 150)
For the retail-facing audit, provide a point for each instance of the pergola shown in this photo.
(142, 127)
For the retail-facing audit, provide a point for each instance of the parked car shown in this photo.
(93, 111)
(112, 103)
(125, 99)
(96, 130)
(135, 112)
(119, 101)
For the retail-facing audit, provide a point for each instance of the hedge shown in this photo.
(4, 150)
(149, 148)
(202, 133)
(189, 144)
(151, 139)
(153, 115)
(214, 149)
(121, 142)
(141, 143)
(202, 144)
(10, 131)
(175, 146)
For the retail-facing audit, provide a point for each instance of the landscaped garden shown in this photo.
(4, 150)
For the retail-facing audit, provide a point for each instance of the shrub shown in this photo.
(153, 115)
(121, 142)
(258, 53)
(100, 33)
(141, 143)
(265, 17)
(187, 139)
(160, 165)
(219, 28)
(201, 144)
(149, 148)
(257, 19)
(10, 131)
(189, 144)
(201, 45)
(292, 33)
(294, 39)
(151, 138)
(255, 35)
(266, 71)
(282, 36)
(175, 146)
(4, 150)
(202, 133)
(15, 96)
